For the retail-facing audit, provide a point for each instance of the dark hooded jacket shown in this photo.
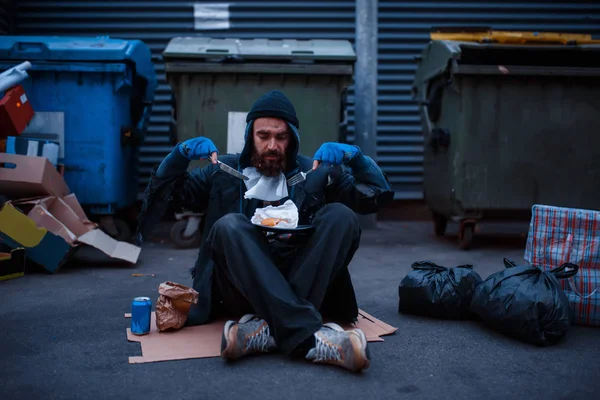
(360, 185)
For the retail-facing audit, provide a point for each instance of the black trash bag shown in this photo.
(525, 302)
(435, 291)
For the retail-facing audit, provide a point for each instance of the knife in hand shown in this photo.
(231, 171)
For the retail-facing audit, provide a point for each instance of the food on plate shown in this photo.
(272, 221)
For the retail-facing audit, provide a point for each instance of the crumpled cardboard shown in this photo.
(52, 228)
(173, 305)
(27, 176)
(41, 246)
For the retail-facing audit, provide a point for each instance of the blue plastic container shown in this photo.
(98, 92)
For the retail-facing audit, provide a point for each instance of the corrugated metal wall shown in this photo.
(6, 16)
(403, 31)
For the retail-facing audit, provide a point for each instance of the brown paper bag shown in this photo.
(173, 305)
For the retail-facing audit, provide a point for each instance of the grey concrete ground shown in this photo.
(63, 336)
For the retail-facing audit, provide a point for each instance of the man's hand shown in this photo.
(334, 154)
(199, 148)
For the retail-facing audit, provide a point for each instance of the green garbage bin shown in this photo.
(507, 126)
(215, 82)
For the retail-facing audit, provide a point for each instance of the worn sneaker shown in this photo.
(249, 335)
(347, 349)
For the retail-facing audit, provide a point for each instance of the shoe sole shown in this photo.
(364, 352)
(227, 340)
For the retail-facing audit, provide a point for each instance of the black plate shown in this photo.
(298, 229)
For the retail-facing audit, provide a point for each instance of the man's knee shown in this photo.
(340, 216)
(229, 223)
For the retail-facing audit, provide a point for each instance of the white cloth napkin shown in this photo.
(287, 210)
(264, 187)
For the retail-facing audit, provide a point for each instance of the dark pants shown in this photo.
(287, 287)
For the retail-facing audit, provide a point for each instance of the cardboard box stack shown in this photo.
(44, 219)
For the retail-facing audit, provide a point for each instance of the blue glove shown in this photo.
(199, 148)
(335, 153)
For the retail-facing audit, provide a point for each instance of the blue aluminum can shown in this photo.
(141, 308)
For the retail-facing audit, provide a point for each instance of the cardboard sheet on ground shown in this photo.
(205, 340)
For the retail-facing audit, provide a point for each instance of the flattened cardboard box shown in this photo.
(205, 340)
(61, 222)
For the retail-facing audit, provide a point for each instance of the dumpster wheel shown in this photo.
(466, 234)
(180, 240)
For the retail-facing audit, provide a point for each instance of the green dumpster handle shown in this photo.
(427, 129)
(423, 106)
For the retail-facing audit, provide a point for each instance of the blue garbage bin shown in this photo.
(94, 96)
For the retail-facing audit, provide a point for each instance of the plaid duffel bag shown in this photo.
(558, 235)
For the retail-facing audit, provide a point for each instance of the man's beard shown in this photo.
(269, 167)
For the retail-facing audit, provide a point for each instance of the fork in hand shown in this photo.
(299, 177)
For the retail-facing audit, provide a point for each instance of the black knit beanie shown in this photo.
(274, 104)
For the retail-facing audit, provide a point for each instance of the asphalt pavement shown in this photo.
(63, 336)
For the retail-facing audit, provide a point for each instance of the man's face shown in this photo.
(271, 138)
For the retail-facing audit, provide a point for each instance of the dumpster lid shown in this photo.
(81, 49)
(204, 48)
(467, 57)
(487, 35)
